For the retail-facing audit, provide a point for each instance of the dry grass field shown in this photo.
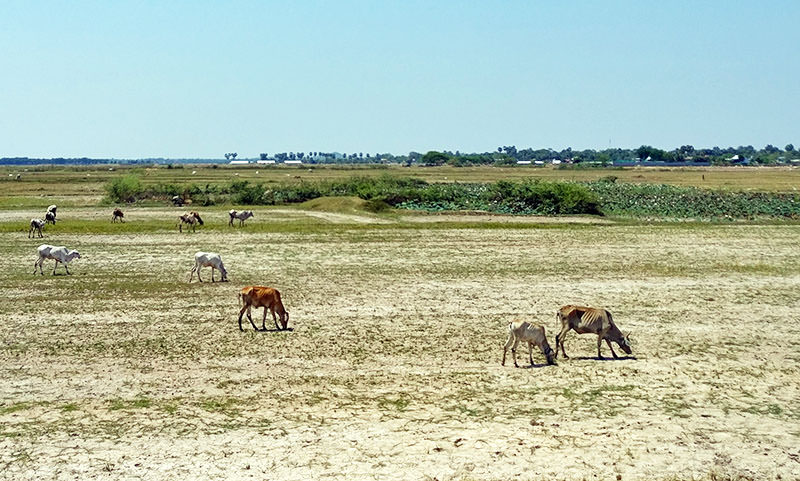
(123, 370)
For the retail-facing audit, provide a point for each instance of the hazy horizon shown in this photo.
(136, 80)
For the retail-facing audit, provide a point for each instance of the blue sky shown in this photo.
(136, 79)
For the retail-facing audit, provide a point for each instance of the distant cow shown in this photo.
(52, 208)
(192, 218)
(208, 259)
(117, 215)
(266, 297)
(530, 334)
(50, 217)
(584, 320)
(36, 226)
(242, 216)
(177, 200)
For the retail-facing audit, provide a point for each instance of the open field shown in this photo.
(392, 371)
(78, 186)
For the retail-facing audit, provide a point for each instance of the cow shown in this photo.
(266, 297)
(60, 254)
(531, 334)
(242, 216)
(192, 218)
(584, 320)
(117, 215)
(36, 226)
(208, 259)
(50, 217)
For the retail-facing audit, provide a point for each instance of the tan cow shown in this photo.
(584, 320)
(531, 334)
(266, 297)
(192, 218)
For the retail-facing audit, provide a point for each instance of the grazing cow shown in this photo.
(52, 208)
(177, 200)
(242, 216)
(191, 218)
(585, 320)
(59, 254)
(266, 297)
(117, 215)
(36, 225)
(208, 259)
(531, 334)
(50, 217)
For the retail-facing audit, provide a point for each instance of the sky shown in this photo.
(197, 79)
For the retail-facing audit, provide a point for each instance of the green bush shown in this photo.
(127, 188)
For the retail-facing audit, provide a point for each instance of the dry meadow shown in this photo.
(124, 370)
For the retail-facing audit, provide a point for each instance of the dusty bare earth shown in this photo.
(125, 371)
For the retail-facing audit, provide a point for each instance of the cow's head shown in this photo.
(224, 273)
(285, 319)
(625, 343)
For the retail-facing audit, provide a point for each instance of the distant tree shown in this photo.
(435, 158)
(234, 154)
(300, 155)
(771, 149)
(789, 148)
(227, 156)
(263, 156)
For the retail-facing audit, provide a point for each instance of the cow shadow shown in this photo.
(288, 329)
(595, 358)
(537, 366)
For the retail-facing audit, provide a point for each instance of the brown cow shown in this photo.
(266, 297)
(117, 215)
(585, 320)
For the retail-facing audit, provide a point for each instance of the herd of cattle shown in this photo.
(581, 319)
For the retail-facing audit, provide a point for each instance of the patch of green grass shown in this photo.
(69, 407)
(220, 405)
(12, 408)
(396, 404)
(128, 404)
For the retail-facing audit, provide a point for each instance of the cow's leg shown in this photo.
(36, 263)
(272, 309)
(530, 352)
(66, 267)
(199, 268)
(514, 351)
(264, 319)
(599, 343)
(212, 273)
(241, 313)
(560, 340)
(612, 349)
(191, 275)
(509, 342)
(250, 317)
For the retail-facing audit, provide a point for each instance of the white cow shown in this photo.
(242, 216)
(36, 225)
(208, 259)
(53, 208)
(59, 254)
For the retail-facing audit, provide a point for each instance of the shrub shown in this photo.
(125, 189)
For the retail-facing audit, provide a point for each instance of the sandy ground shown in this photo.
(125, 371)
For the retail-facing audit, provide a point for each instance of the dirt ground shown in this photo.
(124, 370)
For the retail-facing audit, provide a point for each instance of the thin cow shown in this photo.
(585, 320)
(266, 297)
